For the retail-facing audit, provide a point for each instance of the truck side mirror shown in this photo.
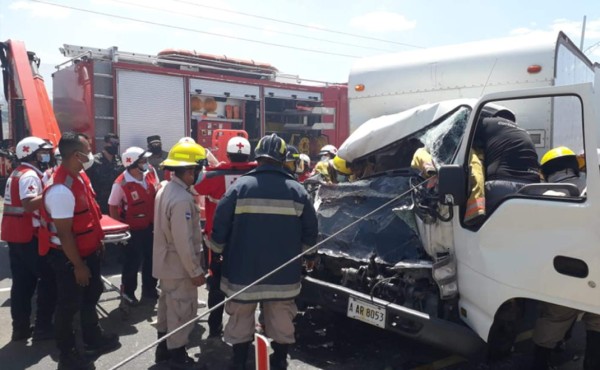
(452, 184)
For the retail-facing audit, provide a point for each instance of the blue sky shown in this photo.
(44, 28)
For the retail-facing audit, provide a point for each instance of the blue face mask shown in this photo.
(45, 158)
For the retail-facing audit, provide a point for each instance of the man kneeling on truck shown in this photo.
(559, 165)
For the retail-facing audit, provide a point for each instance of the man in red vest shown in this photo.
(71, 235)
(213, 184)
(132, 202)
(20, 223)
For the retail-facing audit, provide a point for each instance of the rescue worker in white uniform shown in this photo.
(20, 223)
(177, 254)
(131, 201)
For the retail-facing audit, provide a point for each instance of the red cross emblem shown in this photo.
(25, 149)
(240, 146)
(31, 188)
(128, 160)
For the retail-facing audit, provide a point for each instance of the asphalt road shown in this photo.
(324, 340)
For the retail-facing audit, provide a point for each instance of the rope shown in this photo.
(311, 249)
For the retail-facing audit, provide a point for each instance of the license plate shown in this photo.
(367, 312)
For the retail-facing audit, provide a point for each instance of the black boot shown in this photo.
(97, 342)
(541, 358)
(179, 360)
(162, 352)
(592, 351)
(278, 359)
(240, 356)
(73, 360)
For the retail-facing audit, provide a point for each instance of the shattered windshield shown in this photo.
(440, 138)
(391, 234)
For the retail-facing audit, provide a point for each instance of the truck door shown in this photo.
(534, 245)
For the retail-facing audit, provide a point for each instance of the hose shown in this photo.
(308, 251)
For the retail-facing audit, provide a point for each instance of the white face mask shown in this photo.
(324, 158)
(45, 158)
(143, 167)
(89, 163)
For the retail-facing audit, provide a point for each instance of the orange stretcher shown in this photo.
(115, 232)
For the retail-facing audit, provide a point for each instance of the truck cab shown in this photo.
(410, 264)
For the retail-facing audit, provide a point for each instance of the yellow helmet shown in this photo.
(185, 154)
(558, 152)
(341, 166)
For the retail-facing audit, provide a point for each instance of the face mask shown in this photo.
(58, 160)
(45, 158)
(143, 167)
(324, 158)
(112, 149)
(341, 178)
(89, 163)
(156, 149)
(300, 167)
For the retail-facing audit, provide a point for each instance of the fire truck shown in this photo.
(180, 93)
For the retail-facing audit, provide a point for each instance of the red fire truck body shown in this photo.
(179, 93)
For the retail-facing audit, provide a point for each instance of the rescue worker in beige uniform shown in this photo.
(177, 253)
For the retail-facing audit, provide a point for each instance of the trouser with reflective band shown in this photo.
(279, 325)
(30, 270)
(73, 298)
(177, 304)
(138, 251)
(555, 321)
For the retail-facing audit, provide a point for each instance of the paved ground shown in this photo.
(325, 341)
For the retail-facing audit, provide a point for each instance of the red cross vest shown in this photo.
(138, 207)
(86, 215)
(17, 225)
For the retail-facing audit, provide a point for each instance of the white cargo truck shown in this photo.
(415, 267)
(392, 83)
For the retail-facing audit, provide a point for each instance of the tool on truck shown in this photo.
(419, 269)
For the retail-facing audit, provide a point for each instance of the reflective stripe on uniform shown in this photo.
(269, 207)
(260, 291)
(14, 210)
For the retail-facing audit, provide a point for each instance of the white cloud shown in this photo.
(382, 21)
(40, 10)
(173, 8)
(571, 28)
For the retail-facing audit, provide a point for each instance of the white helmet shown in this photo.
(187, 139)
(328, 149)
(30, 145)
(306, 159)
(238, 145)
(133, 154)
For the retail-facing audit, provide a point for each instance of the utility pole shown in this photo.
(582, 33)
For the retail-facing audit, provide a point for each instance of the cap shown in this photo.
(153, 139)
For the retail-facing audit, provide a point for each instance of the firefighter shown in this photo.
(214, 182)
(20, 223)
(327, 152)
(177, 254)
(264, 219)
(509, 156)
(132, 202)
(106, 167)
(332, 171)
(71, 235)
(306, 164)
(158, 154)
(560, 165)
(292, 163)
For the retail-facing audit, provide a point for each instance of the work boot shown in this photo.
(541, 357)
(99, 342)
(592, 351)
(179, 360)
(73, 360)
(19, 334)
(278, 359)
(42, 333)
(240, 356)
(162, 352)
